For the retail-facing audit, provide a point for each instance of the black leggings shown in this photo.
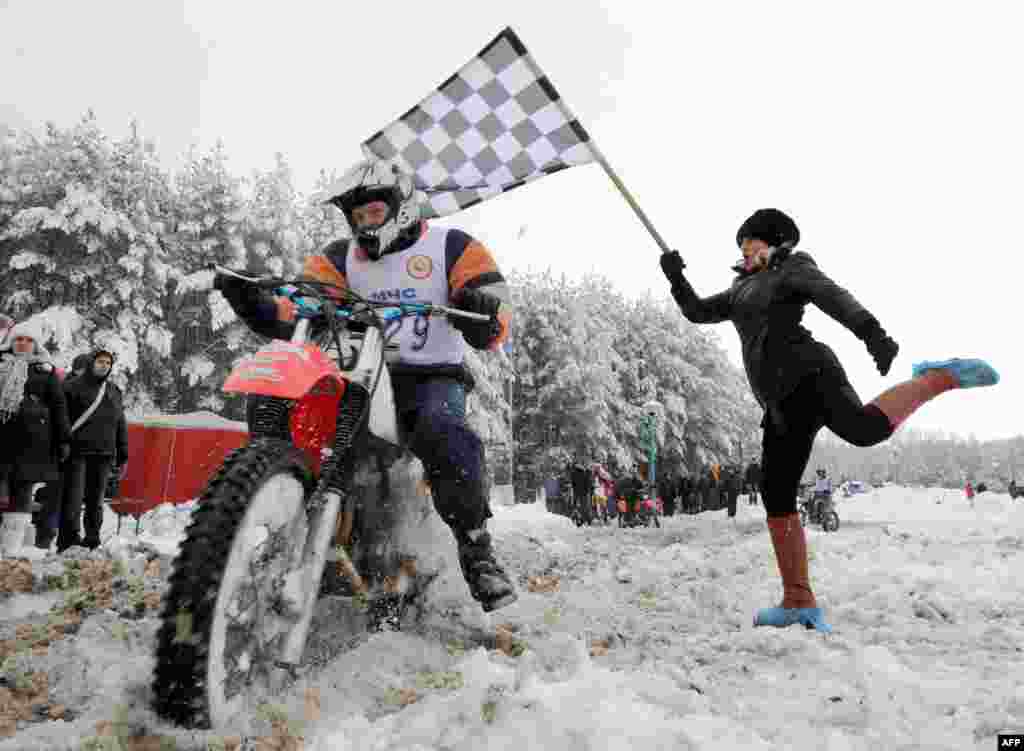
(85, 481)
(823, 398)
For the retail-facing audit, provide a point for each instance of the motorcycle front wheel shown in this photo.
(230, 604)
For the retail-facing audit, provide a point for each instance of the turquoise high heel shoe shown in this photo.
(782, 617)
(968, 373)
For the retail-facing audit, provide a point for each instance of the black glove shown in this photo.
(478, 334)
(672, 266)
(883, 349)
(243, 295)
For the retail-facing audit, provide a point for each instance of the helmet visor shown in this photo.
(361, 197)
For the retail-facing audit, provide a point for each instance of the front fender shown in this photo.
(284, 370)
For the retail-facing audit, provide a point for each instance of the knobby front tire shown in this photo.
(195, 620)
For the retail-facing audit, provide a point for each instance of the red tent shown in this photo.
(171, 458)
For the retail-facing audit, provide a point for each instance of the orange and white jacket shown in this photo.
(431, 270)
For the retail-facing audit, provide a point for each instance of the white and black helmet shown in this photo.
(377, 181)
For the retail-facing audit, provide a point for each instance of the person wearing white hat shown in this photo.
(34, 432)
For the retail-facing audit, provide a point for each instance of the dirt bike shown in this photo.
(819, 508)
(248, 574)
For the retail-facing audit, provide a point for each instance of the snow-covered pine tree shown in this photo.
(321, 223)
(211, 213)
(81, 220)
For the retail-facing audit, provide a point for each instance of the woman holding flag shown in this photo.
(800, 382)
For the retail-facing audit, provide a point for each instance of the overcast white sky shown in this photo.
(890, 131)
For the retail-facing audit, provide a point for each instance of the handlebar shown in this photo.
(309, 296)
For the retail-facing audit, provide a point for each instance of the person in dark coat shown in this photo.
(99, 446)
(667, 489)
(733, 485)
(687, 492)
(582, 480)
(79, 365)
(711, 499)
(799, 381)
(50, 497)
(34, 431)
(752, 478)
(701, 488)
(630, 488)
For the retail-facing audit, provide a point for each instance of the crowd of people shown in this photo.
(588, 492)
(63, 438)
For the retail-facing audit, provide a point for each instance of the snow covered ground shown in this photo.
(647, 641)
(923, 590)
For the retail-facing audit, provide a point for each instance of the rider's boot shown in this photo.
(453, 456)
(487, 580)
(462, 503)
(798, 603)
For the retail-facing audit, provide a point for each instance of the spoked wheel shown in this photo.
(231, 601)
(830, 521)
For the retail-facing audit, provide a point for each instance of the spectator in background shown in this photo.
(753, 481)
(99, 446)
(733, 484)
(969, 491)
(34, 432)
(687, 494)
(711, 500)
(581, 478)
(50, 497)
(629, 488)
(79, 365)
(667, 491)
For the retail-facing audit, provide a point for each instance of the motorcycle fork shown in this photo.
(322, 518)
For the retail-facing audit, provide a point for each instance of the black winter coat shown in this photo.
(629, 487)
(766, 308)
(105, 433)
(29, 441)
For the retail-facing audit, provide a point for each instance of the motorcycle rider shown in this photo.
(822, 493)
(394, 255)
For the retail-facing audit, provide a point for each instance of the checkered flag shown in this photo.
(495, 125)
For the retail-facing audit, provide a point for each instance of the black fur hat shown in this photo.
(771, 226)
(82, 362)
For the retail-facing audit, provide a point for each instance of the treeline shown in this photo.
(914, 457)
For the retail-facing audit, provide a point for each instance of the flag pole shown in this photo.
(617, 181)
(598, 156)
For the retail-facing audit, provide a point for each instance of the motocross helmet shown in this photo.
(377, 181)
